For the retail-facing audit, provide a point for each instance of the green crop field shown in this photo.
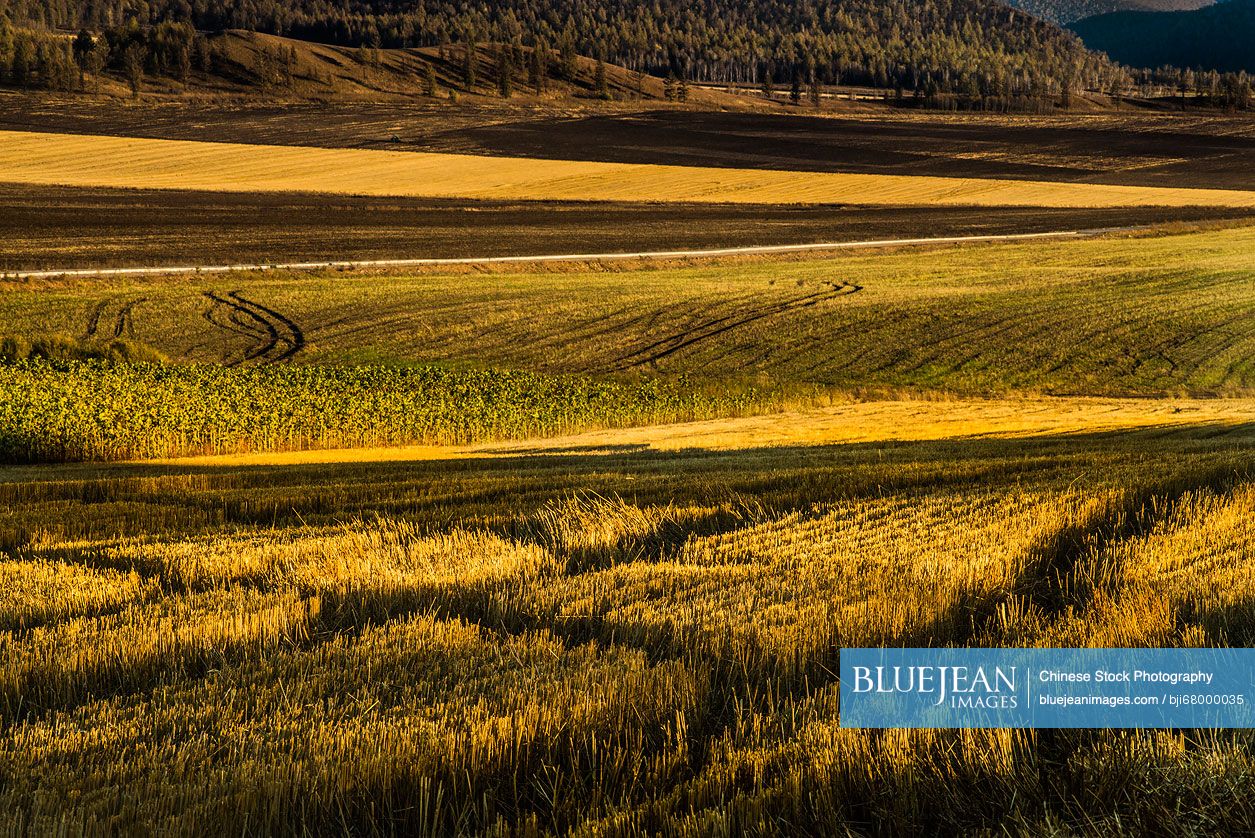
(55, 411)
(556, 613)
(1143, 316)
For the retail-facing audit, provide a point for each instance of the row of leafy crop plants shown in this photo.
(65, 411)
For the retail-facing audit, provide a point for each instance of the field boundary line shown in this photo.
(749, 250)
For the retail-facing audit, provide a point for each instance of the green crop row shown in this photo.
(73, 411)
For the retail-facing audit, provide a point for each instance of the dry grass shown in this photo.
(613, 642)
(637, 631)
(1186, 582)
(123, 162)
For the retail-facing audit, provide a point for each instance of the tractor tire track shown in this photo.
(123, 321)
(125, 325)
(233, 322)
(289, 333)
(93, 318)
(274, 336)
(674, 343)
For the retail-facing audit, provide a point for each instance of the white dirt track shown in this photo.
(557, 257)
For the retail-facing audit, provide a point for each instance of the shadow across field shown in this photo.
(1191, 150)
(117, 499)
(1177, 155)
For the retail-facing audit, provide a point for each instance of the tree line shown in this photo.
(939, 53)
(52, 61)
(976, 49)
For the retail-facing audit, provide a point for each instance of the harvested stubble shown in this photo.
(127, 162)
(506, 646)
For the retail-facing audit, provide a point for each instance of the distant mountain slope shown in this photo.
(1219, 37)
(1069, 11)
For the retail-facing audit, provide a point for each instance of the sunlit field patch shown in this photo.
(125, 162)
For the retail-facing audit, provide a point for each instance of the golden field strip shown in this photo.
(122, 162)
(859, 422)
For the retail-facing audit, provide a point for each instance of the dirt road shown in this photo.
(560, 257)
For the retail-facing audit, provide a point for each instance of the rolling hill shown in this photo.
(970, 48)
(331, 71)
(1219, 37)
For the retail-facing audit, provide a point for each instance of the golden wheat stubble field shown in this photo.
(128, 162)
(609, 635)
(617, 630)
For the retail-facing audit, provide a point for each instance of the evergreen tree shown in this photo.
(97, 60)
(84, 43)
(202, 55)
(429, 80)
(601, 89)
(567, 62)
(133, 67)
(7, 47)
(505, 73)
(538, 69)
(468, 65)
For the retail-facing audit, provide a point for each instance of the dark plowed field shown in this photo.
(52, 227)
(1204, 150)
(962, 147)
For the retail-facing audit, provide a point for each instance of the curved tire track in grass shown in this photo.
(123, 321)
(93, 318)
(288, 332)
(234, 321)
(275, 337)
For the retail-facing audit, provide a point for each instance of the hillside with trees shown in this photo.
(1219, 37)
(974, 52)
(172, 58)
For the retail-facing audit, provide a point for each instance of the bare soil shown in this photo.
(59, 227)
